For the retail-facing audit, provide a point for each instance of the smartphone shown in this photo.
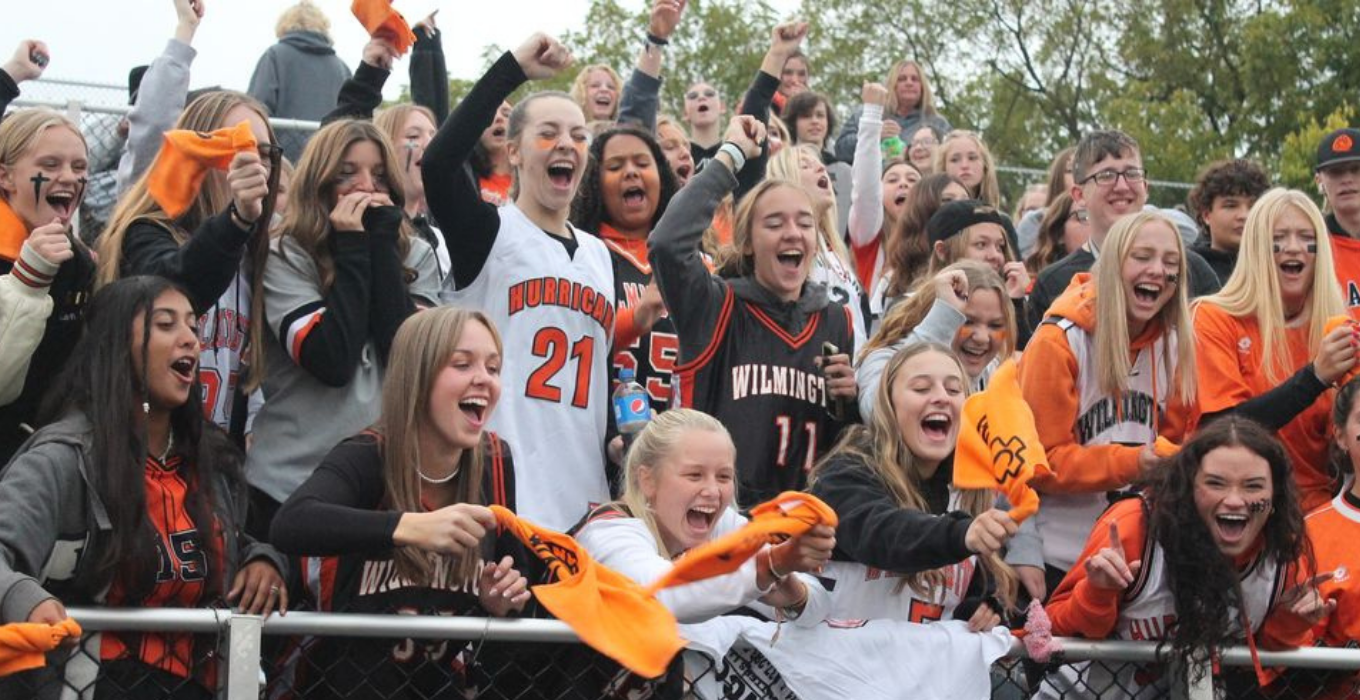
(835, 407)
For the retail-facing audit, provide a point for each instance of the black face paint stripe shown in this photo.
(38, 181)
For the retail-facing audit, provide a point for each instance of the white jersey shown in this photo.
(222, 332)
(555, 314)
(842, 287)
(1145, 615)
(1066, 519)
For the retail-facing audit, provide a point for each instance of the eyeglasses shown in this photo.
(1105, 178)
(695, 94)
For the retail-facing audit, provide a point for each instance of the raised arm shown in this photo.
(866, 175)
(429, 71)
(28, 62)
(361, 94)
(641, 97)
(160, 96)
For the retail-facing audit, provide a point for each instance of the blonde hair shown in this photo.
(22, 128)
(1253, 290)
(421, 350)
(650, 448)
(907, 315)
(878, 444)
(303, 17)
(988, 190)
(1111, 311)
(786, 166)
(207, 113)
(927, 103)
(578, 88)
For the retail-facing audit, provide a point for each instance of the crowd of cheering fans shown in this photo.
(296, 374)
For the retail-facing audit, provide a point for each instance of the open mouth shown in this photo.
(604, 101)
(684, 171)
(824, 183)
(560, 174)
(1231, 525)
(1147, 293)
(498, 132)
(791, 258)
(703, 108)
(935, 426)
(63, 203)
(701, 517)
(184, 367)
(974, 354)
(474, 408)
(900, 199)
(1292, 268)
(634, 197)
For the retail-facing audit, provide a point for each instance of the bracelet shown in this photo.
(769, 562)
(733, 151)
(236, 214)
(794, 610)
(656, 40)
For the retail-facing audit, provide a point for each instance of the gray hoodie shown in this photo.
(52, 517)
(298, 78)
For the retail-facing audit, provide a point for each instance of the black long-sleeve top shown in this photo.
(205, 264)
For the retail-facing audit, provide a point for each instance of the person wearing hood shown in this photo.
(752, 337)
(299, 77)
(1109, 390)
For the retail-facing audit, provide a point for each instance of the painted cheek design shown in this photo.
(1260, 506)
(38, 181)
(545, 143)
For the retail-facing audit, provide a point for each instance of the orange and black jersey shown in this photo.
(762, 381)
(651, 355)
(340, 522)
(181, 577)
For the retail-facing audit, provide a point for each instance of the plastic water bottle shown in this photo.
(632, 407)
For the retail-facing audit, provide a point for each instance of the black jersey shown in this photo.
(383, 669)
(653, 355)
(762, 382)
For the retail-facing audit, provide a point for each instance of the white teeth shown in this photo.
(1235, 517)
(706, 510)
(476, 401)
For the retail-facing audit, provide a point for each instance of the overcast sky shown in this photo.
(99, 40)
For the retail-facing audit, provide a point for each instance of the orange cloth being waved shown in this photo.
(185, 159)
(608, 610)
(788, 515)
(383, 22)
(23, 644)
(998, 445)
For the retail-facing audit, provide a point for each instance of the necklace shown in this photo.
(443, 480)
(169, 445)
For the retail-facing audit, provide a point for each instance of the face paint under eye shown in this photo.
(38, 181)
(1260, 506)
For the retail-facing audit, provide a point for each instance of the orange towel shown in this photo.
(23, 644)
(185, 158)
(789, 514)
(608, 610)
(1332, 324)
(998, 446)
(381, 20)
(13, 233)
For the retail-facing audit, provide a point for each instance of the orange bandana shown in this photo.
(381, 20)
(184, 161)
(608, 610)
(998, 446)
(788, 515)
(23, 644)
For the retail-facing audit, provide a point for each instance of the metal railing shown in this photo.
(244, 636)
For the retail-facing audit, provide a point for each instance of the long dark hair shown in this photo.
(1337, 459)
(100, 382)
(587, 210)
(1203, 581)
(908, 250)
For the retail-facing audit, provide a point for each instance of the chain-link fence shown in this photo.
(181, 654)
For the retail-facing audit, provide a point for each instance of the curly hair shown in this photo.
(588, 210)
(1238, 177)
(908, 251)
(1204, 582)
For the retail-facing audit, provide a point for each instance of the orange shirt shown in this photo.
(1346, 259)
(1334, 529)
(495, 189)
(1231, 370)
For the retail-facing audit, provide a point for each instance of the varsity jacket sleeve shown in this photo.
(641, 100)
(24, 308)
(323, 333)
(876, 532)
(940, 326)
(160, 99)
(1079, 608)
(205, 264)
(625, 545)
(359, 95)
(756, 104)
(430, 73)
(35, 489)
(1049, 383)
(694, 298)
(866, 179)
(336, 511)
(470, 225)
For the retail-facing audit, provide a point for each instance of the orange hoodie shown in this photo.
(1052, 381)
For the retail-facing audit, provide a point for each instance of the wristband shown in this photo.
(656, 40)
(769, 562)
(236, 214)
(733, 151)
